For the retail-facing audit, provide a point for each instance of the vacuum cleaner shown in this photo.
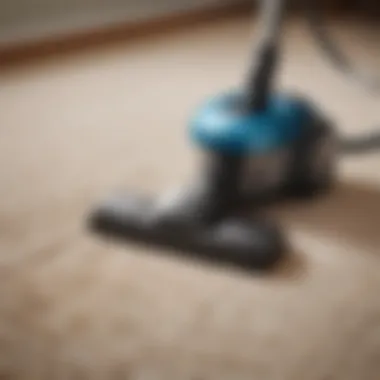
(260, 146)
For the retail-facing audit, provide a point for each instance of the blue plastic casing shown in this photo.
(221, 125)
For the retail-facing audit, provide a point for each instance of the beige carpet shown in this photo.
(75, 307)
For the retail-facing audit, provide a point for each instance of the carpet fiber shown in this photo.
(73, 306)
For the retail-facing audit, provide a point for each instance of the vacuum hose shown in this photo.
(262, 72)
(333, 53)
(317, 24)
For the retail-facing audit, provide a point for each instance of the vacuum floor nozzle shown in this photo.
(238, 241)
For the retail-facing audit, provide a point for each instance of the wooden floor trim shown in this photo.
(23, 53)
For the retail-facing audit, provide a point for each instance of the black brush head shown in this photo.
(245, 243)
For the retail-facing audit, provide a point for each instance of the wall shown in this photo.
(31, 19)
